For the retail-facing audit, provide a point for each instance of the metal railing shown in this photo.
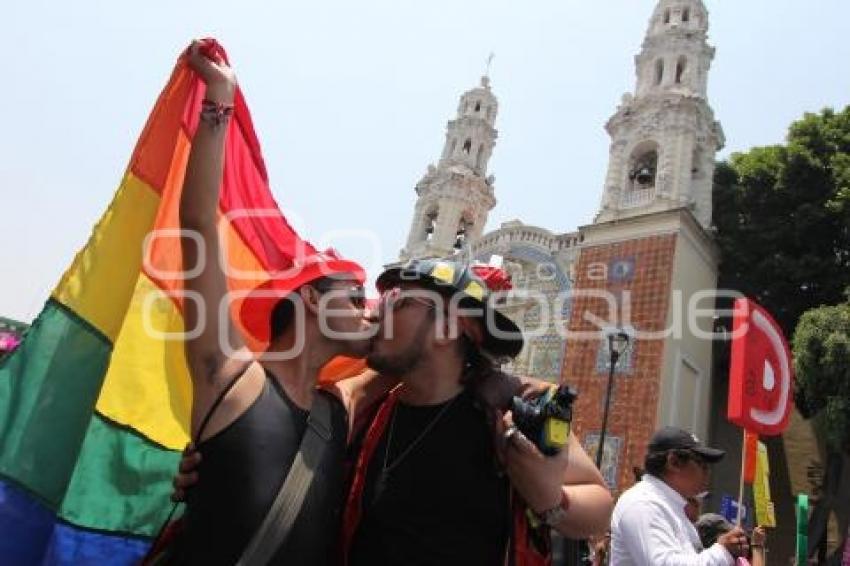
(637, 197)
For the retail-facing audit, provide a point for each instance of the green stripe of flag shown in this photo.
(121, 483)
(48, 389)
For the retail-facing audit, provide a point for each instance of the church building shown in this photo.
(646, 267)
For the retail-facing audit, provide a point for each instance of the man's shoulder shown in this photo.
(641, 498)
(638, 492)
(339, 426)
(338, 410)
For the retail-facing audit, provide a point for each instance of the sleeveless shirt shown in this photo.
(241, 471)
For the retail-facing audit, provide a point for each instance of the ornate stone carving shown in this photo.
(668, 108)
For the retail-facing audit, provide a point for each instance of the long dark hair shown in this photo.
(477, 365)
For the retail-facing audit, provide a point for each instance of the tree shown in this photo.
(783, 227)
(822, 363)
(783, 218)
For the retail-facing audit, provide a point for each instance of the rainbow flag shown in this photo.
(95, 402)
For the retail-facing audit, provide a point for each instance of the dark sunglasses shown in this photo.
(355, 294)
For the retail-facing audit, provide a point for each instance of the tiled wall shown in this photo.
(642, 267)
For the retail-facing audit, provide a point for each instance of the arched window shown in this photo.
(667, 16)
(452, 147)
(478, 106)
(659, 71)
(430, 224)
(643, 167)
(467, 146)
(681, 65)
(479, 156)
(686, 15)
(462, 231)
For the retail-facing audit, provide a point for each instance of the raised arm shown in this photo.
(209, 365)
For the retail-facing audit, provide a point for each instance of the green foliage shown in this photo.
(822, 362)
(783, 218)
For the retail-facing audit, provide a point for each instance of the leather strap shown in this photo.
(280, 519)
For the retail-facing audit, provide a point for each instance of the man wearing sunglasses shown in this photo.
(431, 486)
(650, 525)
(436, 495)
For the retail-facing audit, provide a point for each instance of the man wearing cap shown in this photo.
(438, 496)
(650, 526)
(249, 417)
(429, 487)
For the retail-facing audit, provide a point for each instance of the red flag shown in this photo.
(751, 440)
(761, 372)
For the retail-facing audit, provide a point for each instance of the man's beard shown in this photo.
(402, 363)
(357, 348)
(396, 366)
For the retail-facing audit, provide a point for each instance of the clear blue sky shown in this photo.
(350, 100)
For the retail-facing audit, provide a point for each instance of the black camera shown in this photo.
(546, 420)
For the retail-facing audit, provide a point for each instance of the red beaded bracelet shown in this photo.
(215, 113)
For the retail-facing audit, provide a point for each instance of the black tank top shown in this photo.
(444, 503)
(241, 472)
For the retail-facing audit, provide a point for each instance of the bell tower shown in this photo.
(664, 136)
(651, 254)
(455, 197)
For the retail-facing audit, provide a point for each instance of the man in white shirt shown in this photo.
(649, 526)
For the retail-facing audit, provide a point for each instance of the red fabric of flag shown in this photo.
(751, 440)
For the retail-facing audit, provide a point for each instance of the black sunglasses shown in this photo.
(355, 294)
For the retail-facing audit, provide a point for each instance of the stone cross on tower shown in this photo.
(455, 197)
(664, 137)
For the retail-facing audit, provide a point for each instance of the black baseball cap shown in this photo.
(673, 438)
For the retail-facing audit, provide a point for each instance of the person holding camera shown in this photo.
(650, 525)
(429, 486)
(443, 475)
(434, 493)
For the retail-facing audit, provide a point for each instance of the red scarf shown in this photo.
(529, 546)
(354, 504)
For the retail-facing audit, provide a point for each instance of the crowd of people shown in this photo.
(416, 460)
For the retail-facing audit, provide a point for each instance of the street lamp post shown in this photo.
(617, 343)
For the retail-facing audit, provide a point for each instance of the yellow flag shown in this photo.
(765, 515)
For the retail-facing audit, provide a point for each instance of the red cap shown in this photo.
(255, 312)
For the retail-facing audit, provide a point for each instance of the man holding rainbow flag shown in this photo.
(100, 398)
(97, 402)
